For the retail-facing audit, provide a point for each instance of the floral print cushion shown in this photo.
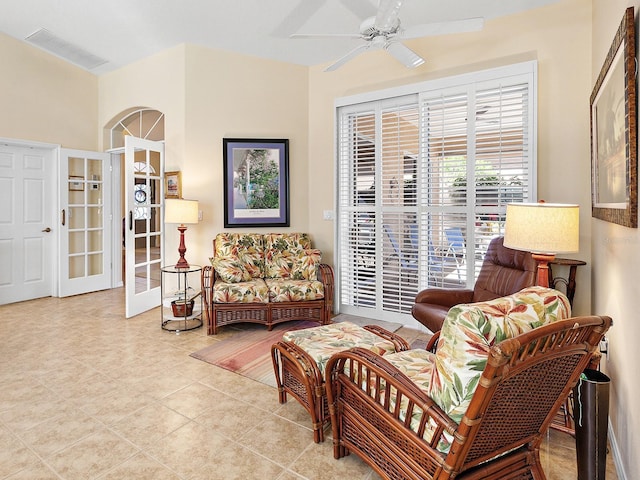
(290, 290)
(284, 242)
(278, 264)
(418, 365)
(305, 264)
(247, 248)
(470, 330)
(285, 258)
(281, 251)
(253, 291)
(322, 342)
(230, 270)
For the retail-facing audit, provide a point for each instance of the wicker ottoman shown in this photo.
(300, 358)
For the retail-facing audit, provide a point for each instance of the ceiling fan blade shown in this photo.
(352, 54)
(387, 16)
(444, 28)
(404, 54)
(297, 17)
(360, 8)
(325, 35)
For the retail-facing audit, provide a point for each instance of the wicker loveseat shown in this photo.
(476, 408)
(267, 279)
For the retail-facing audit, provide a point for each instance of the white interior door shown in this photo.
(144, 226)
(26, 228)
(85, 222)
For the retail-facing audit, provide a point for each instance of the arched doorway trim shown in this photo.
(145, 123)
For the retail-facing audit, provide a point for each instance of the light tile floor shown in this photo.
(85, 393)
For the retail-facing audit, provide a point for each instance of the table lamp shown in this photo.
(544, 229)
(178, 210)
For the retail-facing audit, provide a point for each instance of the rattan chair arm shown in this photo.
(382, 378)
(432, 344)
(398, 342)
(206, 286)
(301, 358)
(325, 275)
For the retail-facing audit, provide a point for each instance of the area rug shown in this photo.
(246, 350)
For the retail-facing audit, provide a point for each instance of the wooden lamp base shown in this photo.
(543, 260)
(182, 249)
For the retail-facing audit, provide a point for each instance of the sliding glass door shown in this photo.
(423, 183)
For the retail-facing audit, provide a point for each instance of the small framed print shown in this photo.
(172, 185)
(76, 184)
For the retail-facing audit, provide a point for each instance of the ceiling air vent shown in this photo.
(48, 41)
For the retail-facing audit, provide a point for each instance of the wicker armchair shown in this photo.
(382, 415)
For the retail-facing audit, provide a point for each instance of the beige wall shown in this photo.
(557, 36)
(156, 82)
(45, 99)
(238, 96)
(616, 285)
(207, 95)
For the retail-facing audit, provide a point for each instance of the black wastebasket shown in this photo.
(591, 417)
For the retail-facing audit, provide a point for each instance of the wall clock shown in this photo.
(141, 197)
(140, 193)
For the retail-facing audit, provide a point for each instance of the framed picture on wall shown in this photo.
(614, 162)
(172, 185)
(256, 182)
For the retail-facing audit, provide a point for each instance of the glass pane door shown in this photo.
(143, 224)
(85, 228)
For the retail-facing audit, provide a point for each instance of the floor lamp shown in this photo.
(178, 210)
(544, 229)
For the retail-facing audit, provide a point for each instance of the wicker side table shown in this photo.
(300, 357)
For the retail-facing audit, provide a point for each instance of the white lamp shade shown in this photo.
(542, 227)
(180, 211)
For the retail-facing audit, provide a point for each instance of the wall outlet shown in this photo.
(199, 215)
(327, 214)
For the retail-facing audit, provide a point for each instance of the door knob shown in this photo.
(47, 230)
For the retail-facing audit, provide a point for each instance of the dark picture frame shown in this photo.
(256, 182)
(614, 159)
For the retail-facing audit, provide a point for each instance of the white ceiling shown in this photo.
(123, 31)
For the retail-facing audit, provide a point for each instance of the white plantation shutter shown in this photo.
(399, 146)
(423, 183)
(503, 165)
(443, 200)
(357, 218)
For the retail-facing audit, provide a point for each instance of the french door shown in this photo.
(84, 222)
(143, 223)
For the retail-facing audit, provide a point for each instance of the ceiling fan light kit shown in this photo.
(385, 32)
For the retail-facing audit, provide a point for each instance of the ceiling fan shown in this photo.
(385, 32)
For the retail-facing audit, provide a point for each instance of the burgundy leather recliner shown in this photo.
(504, 271)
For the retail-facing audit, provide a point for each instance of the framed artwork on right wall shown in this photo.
(614, 159)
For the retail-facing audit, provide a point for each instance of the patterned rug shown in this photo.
(246, 347)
